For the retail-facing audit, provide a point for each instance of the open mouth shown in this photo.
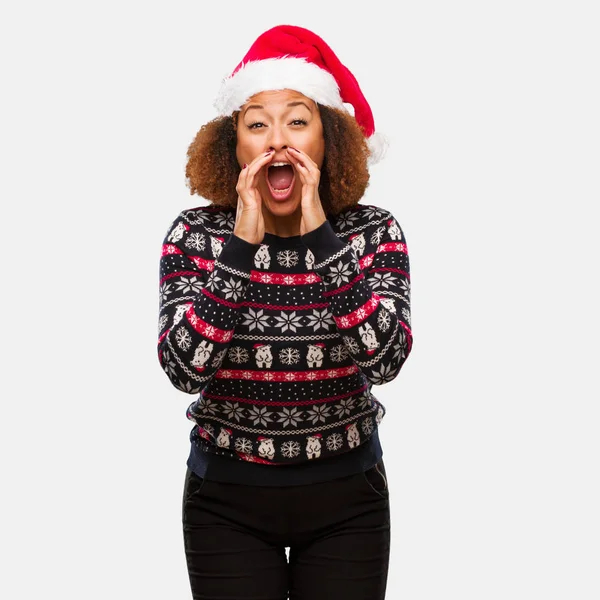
(280, 179)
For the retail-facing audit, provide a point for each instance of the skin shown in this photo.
(273, 126)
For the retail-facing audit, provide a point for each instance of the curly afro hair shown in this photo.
(212, 169)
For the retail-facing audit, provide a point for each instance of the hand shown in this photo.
(249, 221)
(313, 214)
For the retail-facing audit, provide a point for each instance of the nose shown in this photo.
(277, 139)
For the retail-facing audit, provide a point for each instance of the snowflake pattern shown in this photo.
(287, 258)
(189, 284)
(344, 407)
(290, 416)
(347, 219)
(196, 217)
(288, 321)
(183, 338)
(212, 281)
(234, 289)
(187, 387)
(165, 290)
(340, 273)
(207, 406)
(289, 356)
(351, 344)
(364, 402)
(320, 319)
(367, 426)
(255, 319)
(338, 353)
(405, 315)
(238, 355)
(384, 320)
(399, 345)
(243, 445)
(370, 212)
(232, 410)
(334, 442)
(319, 412)
(405, 289)
(169, 364)
(383, 280)
(384, 374)
(260, 415)
(290, 449)
(224, 220)
(196, 241)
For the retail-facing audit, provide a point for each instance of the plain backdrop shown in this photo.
(491, 437)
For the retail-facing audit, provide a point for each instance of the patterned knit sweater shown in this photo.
(282, 341)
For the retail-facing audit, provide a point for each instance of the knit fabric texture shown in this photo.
(282, 341)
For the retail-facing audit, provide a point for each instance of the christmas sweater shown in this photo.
(282, 341)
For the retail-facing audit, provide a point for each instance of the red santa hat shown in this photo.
(291, 57)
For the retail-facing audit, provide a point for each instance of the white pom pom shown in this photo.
(378, 145)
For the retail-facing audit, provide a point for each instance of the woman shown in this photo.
(282, 303)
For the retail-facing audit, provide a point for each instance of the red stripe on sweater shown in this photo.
(206, 329)
(284, 278)
(163, 336)
(344, 287)
(203, 263)
(392, 269)
(392, 247)
(310, 375)
(170, 249)
(359, 315)
(406, 328)
(177, 274)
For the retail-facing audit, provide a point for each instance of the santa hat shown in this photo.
(290, 57)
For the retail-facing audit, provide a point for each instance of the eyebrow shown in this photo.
(290, 104)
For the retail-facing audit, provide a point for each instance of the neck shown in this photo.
(285, 226)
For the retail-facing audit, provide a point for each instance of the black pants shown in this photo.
(338, 533)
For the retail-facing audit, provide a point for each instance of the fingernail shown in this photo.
(245, 165)
(296, 149)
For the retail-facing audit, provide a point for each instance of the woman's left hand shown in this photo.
(313, 214)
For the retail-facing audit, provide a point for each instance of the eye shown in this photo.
(299, 121)
(255, 125)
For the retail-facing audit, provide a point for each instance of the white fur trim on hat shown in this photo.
(378, 145)
(286, 72)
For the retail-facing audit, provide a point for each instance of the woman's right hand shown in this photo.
(249, 221)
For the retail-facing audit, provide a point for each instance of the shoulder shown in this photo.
(202, 220)
(365, 219)
(209, 217)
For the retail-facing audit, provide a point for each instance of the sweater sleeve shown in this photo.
(370, 303)
(199, 301)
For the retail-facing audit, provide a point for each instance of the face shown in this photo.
(278, 119)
